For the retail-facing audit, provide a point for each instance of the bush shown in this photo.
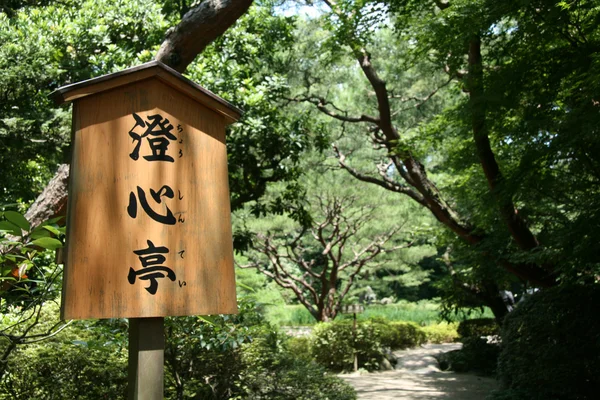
(397, 335)
(334, 346)
(86, 361)
(224, 357)
(476, 355)
(271, 370)
(441, 333)
(408, 334)
(58, 370)
(403, 335)
(300, 346)
(551, 345)
(478, 327)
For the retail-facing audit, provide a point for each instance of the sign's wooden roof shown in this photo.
(152, 69)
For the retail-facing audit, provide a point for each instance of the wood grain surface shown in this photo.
(102, 234)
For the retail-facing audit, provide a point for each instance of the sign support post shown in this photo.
(146, 358)
(354, 339)
(353, 309)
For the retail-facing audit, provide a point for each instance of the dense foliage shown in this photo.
(42, 48)
(273, 373)
(496, 144)
(84, 361)
(551, 345)
(222, 357)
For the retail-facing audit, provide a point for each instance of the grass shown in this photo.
(424, 312)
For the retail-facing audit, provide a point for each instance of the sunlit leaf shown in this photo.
(47, 243)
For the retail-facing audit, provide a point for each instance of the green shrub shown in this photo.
(216, 358)
(478, 327)
(334, 345)
(476, 355)
(271, 370)
(300, 346)
(66, 371)
(408, 334)
(397, 335)
(442, 332)
(86, 361)
(551, 345)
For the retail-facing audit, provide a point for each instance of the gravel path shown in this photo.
(417, 377)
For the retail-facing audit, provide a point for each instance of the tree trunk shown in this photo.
(52, 202)
(493, 299)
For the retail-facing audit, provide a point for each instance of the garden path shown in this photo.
(417, 377)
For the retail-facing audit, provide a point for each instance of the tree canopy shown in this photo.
(483, 113)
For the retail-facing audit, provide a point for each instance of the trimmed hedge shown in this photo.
(406, 335)
(334, 345)
(398, 335)
(551, 346)
(442, 332)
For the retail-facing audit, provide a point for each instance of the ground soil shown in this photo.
(417, 377)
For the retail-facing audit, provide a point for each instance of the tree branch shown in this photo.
(197, 29)
(478, 107)
(387, 184)
(322, 104)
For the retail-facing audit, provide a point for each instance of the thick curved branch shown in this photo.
(477, 104)
(381, 93)
(415, 173)
(197, 29)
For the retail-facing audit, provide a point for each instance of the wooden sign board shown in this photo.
(148, 223)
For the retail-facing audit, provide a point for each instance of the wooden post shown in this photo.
(353, 309)
(146, 358)
(354, 334)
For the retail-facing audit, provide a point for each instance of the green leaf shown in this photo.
(240, 284)
(47, 243)
(51, 229)
(11, 228)
(18, 219)
(39, 233)
(52, 221)
(207, 319)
